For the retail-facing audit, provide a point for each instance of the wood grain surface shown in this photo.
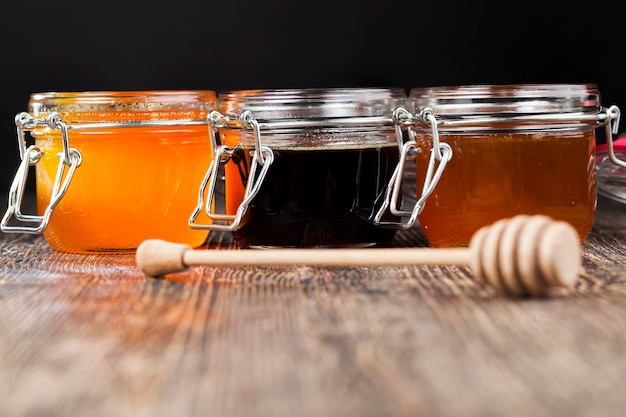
(89, 335)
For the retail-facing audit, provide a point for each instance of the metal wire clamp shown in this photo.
(69, 159)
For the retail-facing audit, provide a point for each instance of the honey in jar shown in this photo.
(330, 155)
(516, 149)
(136, 157)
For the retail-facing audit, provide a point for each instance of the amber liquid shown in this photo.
(495, 176)
(134, 183)
(313, 198)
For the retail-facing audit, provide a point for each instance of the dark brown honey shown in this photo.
(314, 197)
(324, 160)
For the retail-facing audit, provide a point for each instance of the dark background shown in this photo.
(150, 45)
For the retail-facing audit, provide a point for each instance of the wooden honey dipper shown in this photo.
(524, 255)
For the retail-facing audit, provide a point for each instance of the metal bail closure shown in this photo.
(262, 156)
(440, 155)
(69, 160)
(612, 128)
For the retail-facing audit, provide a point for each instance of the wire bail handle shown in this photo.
(262, 156)
(441, 153)
(612, 128)
(69, 159)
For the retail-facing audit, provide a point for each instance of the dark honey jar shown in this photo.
(112, 168)
(516, 149)
(305, 167)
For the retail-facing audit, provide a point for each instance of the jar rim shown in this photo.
(124, 107)
(110, 97)
(312, 103)
(493, 99)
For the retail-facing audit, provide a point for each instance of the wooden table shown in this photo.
(90, 335)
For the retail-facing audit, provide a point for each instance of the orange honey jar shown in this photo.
(112, 168)
(516, 149)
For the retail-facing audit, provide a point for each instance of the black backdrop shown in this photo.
(79, 45)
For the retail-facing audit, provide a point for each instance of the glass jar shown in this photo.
(516, 149)
(112, 168)
(306, 167)
(611, 165)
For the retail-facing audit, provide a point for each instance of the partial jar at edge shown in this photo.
(503, 165)
(326, 182)
(143, 155)
(611, 211)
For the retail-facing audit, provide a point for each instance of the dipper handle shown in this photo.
(158, 257)
(524, 255)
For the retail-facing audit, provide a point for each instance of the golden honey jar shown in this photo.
(516, 149)
(112, 168)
